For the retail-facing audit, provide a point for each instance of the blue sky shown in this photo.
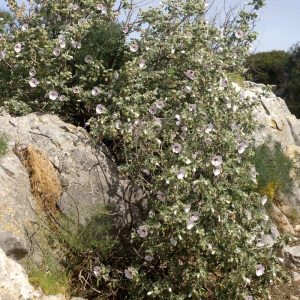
(278, 24)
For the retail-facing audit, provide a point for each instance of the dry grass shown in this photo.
(45, 185)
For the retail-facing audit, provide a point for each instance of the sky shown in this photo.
(278, 23)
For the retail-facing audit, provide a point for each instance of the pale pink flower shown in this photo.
(160, 196)
(187, 89)
(249, 298)
(194, 216)
(160, 104)
(264, 199)
(88, 59)
(100, 109)
(192, 107)
(208, 128)
(97, 271)
(2, 54)
(24, 27)
(176, 148)
(177, 117)
(102, 8)
(62, 43)
(73, 44)
(116, 75)
(217, 170)
(190, 74)
(181, 174)
(118, 124)
(260, 269)
(95, 91)
(216, 160)
(187, 208)
(260, 243)
(78, 45)
(62, 97)
(142, 63)
(33, 82)
(224, 82)
(251, 46)
(148, 258)
(153, 110)
(75, 90)
(239, 34)
(128, 273)
(190, 224)
(53, 95)
(243, 146)
(18, 47)
(56, 52)
(133, 47)
(208, 141)
(108, 95)
(173, 242)
(125, 29)
(142, 231)
(32, 72)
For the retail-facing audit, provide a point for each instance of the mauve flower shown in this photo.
(97, 271)
(176, 148)
(173, 242)
(153, 110)
(239, 34)
(160, 104)
(216, 160)
(128, 273)
(24, 27)
(142, 63)
(100, 109)
(187, 208)
(95, 91)
(224, 82)
(33, 82)
(75, 90)
(142, 231)
(133, 47)
(260, 269)
(217, 170)
(190, 224)
(53, 95)
(190, 74)
(181, 174)
(116, 75)
(208, 128)
(88, 59)
(18, 47)
(160, 196)
(32, 72)
(102, 8)
(125, 29)
(148, 258)
(56, 52)
(2, 54)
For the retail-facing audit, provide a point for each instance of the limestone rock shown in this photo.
(293, 254)
(87, 175)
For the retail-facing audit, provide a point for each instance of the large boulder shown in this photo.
(277, 124)
(55, 167)
(14, 284)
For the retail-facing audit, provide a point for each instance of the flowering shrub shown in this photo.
(175, 125)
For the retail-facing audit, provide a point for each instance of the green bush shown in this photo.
(177, 128)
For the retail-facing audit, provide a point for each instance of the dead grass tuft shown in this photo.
(45, 185)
